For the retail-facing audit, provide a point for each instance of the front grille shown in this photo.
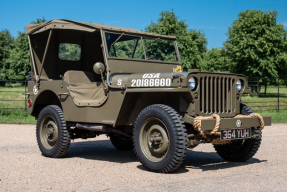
(217, 94)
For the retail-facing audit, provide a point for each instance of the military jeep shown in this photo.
(91, 79)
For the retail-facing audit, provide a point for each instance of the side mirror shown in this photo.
(98, 67)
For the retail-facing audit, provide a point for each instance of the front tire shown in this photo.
(160, 140)
(240, 150)
(52, 134)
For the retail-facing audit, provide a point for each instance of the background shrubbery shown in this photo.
(255, 46)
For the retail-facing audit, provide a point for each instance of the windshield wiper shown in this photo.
(117, 39)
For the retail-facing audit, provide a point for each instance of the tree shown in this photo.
(191, 43)
(38, 21)
(18, 65)
(19, 60)
(257, 45)
(6, 45)
(215, 60)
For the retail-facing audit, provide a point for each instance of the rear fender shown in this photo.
(44, 99)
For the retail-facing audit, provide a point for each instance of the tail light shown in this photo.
(29, 103)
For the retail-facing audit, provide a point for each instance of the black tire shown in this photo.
(30, 76)
(240, 150)
(122, 143)
(175, 129)
(58, 148)
(245, 110)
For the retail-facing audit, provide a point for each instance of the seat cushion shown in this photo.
(78, 77)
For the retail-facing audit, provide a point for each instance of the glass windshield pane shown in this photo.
(157, 49)
(131, 47)
(70, 52)
(124, 46)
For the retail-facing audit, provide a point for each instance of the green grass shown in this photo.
(20, 116)
(17, 116)
(276, 117)
(268, 105)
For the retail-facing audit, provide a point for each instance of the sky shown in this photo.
(212, 17)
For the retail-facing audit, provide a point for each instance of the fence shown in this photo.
(11, 94)
(267, 94)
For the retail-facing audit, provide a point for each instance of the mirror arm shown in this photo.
(102, 77)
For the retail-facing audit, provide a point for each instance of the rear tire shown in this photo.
(30, 76)
(160, 140)
(240, 150)
(121, 143)
(52, 134)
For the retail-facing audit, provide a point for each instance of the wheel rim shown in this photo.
(154, 140)
(49, 132)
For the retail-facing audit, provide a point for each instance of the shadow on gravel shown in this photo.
(101, 150)
(210, 161)
(207, 161)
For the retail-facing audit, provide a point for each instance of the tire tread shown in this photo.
(180, 135)
(65, 132)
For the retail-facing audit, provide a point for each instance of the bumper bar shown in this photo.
(229, 123)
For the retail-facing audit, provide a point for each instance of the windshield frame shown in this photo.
(178, 62)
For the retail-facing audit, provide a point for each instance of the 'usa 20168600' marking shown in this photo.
(151, 82)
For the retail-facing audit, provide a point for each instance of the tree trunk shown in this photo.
(265, 83)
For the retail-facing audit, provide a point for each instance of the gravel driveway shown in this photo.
(95, 165)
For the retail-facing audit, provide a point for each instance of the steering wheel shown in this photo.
(156, 57)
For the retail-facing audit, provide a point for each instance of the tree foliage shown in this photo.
(191, 43)
(19, 60)
(6, 45)
(257, 44)
(215, 60)
(70, 52)
(38, 21)
(15, 55)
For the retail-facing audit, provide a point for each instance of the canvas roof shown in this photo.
(82, 26)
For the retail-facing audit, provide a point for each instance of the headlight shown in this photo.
(191, 83)
(238, 85)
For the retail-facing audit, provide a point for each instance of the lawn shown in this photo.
(266, 106)
(269, 102)
(17, 116)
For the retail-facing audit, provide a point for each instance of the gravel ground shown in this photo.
(95, 165)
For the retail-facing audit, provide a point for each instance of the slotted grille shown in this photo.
(217, 95)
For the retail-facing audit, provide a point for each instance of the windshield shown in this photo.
(132, 47)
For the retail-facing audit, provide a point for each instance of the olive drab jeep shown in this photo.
(91, 79)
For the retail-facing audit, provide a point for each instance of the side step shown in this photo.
(100, 127)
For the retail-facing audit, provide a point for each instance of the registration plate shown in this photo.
(231, 134)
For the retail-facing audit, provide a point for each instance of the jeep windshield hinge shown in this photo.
(175, 76)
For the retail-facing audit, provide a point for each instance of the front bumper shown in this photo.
(229, 123)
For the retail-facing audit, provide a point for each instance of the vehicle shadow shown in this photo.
(103, 150)
(210, 161)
